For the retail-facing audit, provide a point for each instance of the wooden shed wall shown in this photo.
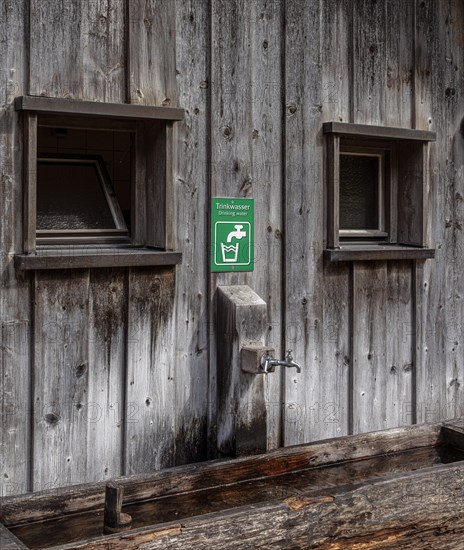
(112, 371)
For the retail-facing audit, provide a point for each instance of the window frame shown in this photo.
(405, 183)
(151, 190)
(383, 188)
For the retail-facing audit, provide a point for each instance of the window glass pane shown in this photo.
(70, 196)
(359, 192)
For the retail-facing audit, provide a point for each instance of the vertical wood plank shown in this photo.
(265, 133)
(152, 52)
(304, 222)
(61, 379)
(399, 355)
(451, 94)
(189, 220)
(430, 285)
(317, 316)
(15, 294)
(370, 377)
(382, 90)
(151, 371)
(246, 150)
(77, 49)
(107, 324)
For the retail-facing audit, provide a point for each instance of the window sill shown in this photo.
(371, 252)
(78, 258)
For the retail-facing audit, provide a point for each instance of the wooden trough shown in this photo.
(400, 488)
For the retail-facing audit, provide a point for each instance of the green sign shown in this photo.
(232, 241)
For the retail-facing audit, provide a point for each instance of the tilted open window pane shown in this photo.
(75, 197)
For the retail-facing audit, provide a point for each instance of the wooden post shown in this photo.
(114, 520)
(242, 415)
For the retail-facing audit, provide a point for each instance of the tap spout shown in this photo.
(268, 363)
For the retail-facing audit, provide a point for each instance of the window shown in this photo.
(376, 192)
(76, 199)
(97, 178)
(362, 194)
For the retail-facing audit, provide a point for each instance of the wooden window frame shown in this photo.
(150, 242)
(384, 185)
(405, 184)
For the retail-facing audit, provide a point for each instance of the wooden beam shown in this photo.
(421, 509)
(377, 252)
(383, 132)
(8, 541)
(90, 497)
(48, 105)
(64, 258)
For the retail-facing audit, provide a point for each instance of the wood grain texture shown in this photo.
(151, 35)
(316, 323)
(220, 473)
(188, 218)
(430, 279)
(61, 313)
(8, 541)
(150, 409)
(107, 345)
(451, 20)
(241, 320)
(304, 223)
(59, 67)
(15, 293)
(390, 509)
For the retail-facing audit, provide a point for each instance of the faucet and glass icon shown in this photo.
(230, 251)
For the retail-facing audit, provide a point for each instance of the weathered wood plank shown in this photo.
(365, 513)
(187, 216)
(430, 279)
(73, 259)
(67, 59)
(107, 323)
(370, 374)
(351, 253)
(8, 541)
(451, 93)
(263, 94)
(15, 293)
(334, 411)
(399, 354)
(61, 379)
(57, 107)
(241, 320)
(150, 415)
(215, 474)
(151, 36)
(304, 224)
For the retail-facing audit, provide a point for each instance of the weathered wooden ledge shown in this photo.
(111, 257)
(57, 106)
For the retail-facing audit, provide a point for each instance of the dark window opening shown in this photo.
(84, 184)
(361, 202)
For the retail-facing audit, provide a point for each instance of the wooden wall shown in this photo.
(113, 371)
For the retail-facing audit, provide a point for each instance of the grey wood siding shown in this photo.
(106, 372)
